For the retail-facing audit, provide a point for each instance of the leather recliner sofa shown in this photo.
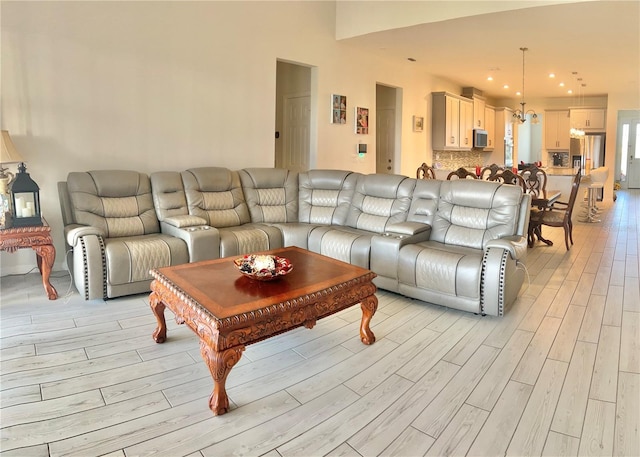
(459, 244)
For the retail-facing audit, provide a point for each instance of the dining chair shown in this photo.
(461, 173)
(535, 181)
(507, 176)
(557, 215)
(490, 171)
(425, 172)
(535, 184)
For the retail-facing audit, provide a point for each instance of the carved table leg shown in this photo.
(369, 305)
(220, 364)
(45, 256)
(160, 335)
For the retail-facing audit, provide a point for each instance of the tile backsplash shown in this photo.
(562, 156)
(452, 160)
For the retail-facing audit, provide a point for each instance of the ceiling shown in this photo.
(599, 40)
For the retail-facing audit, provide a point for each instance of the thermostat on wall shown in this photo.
(362, 149)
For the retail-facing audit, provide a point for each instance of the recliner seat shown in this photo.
(114, 233)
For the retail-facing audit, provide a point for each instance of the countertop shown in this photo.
(550, 171)
(559, 171)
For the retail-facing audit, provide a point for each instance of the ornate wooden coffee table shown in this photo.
(228, 311)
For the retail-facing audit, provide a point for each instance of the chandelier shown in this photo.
(521, 114)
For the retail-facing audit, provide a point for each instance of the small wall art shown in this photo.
(362, 120)
(418, 123)
(338, 109)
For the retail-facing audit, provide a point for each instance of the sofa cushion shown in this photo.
(215, 194)
(325, 195)
(379, 200)
(271, 194)
(447, 269)
(169, 197)
(342, 243)
(470, 213)
(248, 238)
(424, 201)
(118, 202)
(129, 259)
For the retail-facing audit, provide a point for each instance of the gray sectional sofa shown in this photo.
(459, 244)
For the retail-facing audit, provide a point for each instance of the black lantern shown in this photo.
(25, 200)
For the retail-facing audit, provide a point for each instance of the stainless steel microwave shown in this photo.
(480, 138)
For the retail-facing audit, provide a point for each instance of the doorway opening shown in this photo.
(388, 128)
(628, 153)
(294, 117)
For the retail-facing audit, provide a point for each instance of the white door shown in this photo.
(630, 152)
(295, 150)
(385, 140)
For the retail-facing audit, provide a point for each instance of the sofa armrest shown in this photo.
(203, 241)
(88, 263)
(402, 229)
(74, 232)
(185, 220)
(516, 246)
(502, 273)
(385, 248)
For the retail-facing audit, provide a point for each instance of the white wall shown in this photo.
(171, 85)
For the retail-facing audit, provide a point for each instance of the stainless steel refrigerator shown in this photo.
(590, 151)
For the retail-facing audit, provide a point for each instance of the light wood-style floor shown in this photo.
(559, 374)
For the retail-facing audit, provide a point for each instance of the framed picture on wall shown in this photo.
(338, 109)
(418, 123)
(362, 120)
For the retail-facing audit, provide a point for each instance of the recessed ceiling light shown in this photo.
(552, 75)
(411, 59)
(518, 93)
(490, 78)
(506, 86)
(561, 84)
(569, 91)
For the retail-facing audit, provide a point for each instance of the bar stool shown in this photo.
(598, 178)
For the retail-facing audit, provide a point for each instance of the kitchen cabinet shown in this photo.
(466, 124)
(490, 127)
(479, 113)
(556, 130)
(452, 122)
(589, 119)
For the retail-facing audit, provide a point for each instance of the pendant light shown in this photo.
(521, 114)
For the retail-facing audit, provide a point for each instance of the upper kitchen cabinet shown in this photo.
(589, 119)
(466, 124)
(556, 130)
(490, 127)
(479, 113)
(452, 122)
(479, 104)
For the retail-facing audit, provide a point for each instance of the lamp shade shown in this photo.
(8, 152)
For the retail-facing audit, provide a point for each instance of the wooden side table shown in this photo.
(38, 239)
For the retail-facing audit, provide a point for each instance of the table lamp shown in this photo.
(8, 154)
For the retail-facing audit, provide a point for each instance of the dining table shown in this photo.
(542, 203)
